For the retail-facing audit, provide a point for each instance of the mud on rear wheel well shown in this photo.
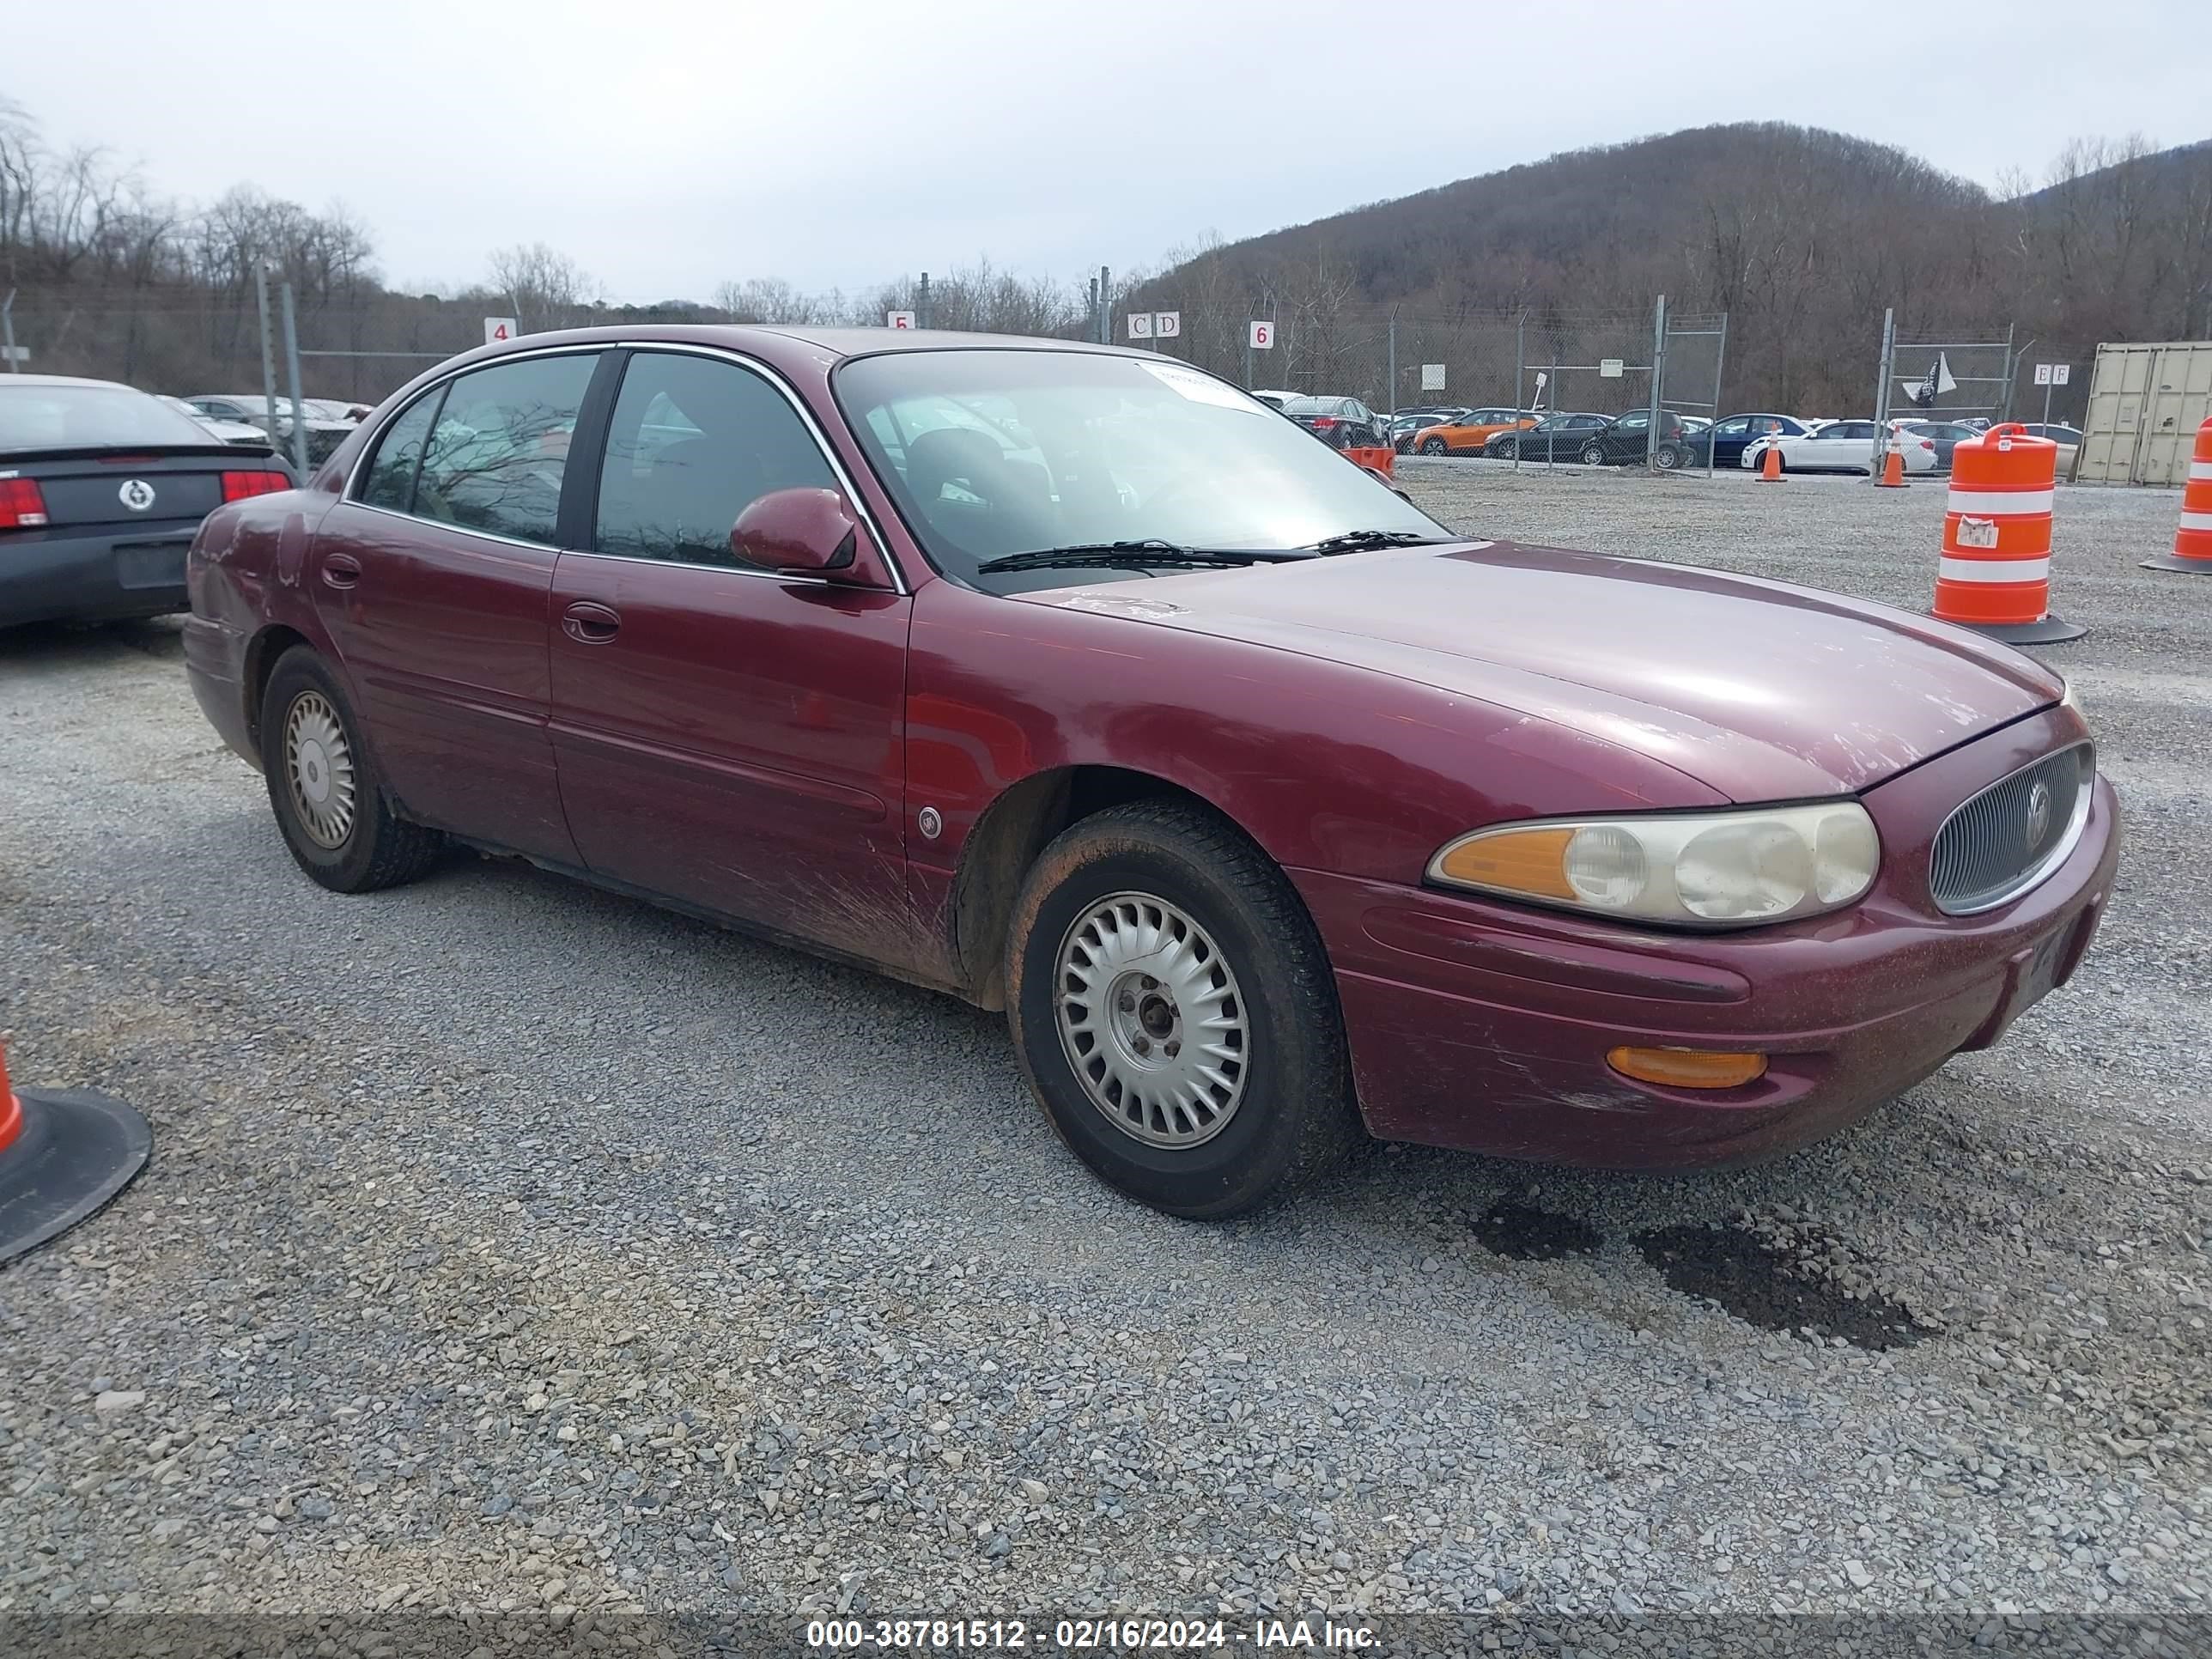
(1006, 842)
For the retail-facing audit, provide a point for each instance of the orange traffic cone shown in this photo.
(1770, 466)
(63, 1152)
(1892, 472)
(2192, 540)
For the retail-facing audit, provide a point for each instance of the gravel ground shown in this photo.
(509, 1246)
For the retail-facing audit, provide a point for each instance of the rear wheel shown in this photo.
(324, 787)
(1176, 1014)
(1666, 457)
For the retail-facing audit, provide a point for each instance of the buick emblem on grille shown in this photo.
(2039, 814)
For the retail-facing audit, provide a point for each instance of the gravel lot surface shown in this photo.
(510, 1246)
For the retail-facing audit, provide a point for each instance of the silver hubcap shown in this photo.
(1151, 1021)
(319, 768)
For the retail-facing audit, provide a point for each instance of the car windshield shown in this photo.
(33, 416)
(992, 451)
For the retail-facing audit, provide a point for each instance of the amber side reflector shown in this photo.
(1523, 861)
(1687, 1068)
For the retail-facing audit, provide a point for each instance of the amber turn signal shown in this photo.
(1687, 1068)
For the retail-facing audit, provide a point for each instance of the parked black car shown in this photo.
(1725, 442)
(1340, 423)
(1625, 439)
(102, 488)
(1555, 438)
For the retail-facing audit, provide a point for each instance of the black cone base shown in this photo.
(2175, 561)
(2050, 630)
(77, 1149)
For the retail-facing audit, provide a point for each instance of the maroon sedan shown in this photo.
(1076, 682)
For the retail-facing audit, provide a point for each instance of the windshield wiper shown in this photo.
(1354, 541)
(1133, 554)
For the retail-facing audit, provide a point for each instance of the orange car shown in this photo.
(1468, 435)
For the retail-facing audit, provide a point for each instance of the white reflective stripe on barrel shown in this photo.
(2197, 521)
(1995, 570)
(2200, 472)
(2001, 504)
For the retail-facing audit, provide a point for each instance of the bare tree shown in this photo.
(547, 288)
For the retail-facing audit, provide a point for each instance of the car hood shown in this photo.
(1759, 690)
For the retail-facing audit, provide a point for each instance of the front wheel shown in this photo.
(1593, 455)
(324, 787)
(1174, 1012)
(1434, 447)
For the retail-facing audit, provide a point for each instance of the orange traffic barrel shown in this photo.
(63, 1152)
(1995, 577)
(2192, 542)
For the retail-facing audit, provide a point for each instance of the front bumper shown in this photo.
(1485, 1025)
(115, 571)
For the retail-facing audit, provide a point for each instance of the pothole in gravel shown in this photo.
(1532, 1235)
(1766, 1287)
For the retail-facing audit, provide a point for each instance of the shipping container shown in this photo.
(2146, 402)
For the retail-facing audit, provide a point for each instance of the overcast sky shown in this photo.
(668, 146)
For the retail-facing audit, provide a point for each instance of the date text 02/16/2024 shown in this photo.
(1080, 1635)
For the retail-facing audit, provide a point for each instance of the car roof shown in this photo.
(63, 380)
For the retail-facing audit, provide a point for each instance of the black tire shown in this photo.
(1593, 455)
(1509, 450)
(1296, 1118)
(1666, 457)
(1434, 447)
(379, 848)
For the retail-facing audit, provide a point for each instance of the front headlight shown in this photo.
(1712, 869)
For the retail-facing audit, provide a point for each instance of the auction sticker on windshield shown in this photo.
(1202, 388)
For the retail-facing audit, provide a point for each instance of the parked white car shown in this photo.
(1840, 447)
(231, 432)
(323, 432)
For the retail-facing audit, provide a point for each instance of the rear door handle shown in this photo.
(589, 623)
(341, 570)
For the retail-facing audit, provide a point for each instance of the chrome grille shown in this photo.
(2016, 832)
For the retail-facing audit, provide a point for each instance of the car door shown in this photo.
(1728, 439)
(432, 578)
(728, 737)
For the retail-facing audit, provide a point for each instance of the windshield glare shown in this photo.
(994, 452)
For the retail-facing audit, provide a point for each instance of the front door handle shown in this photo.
(589, 624)
(341, 570)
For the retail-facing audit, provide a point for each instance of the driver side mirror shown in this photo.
(796, 530)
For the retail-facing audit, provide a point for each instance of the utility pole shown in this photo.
(1105, 307)
(1881, 391)
(8, 331)
(268, 355)
(1658, 378)
(292, 372)
(922, 304)
(1391, 398)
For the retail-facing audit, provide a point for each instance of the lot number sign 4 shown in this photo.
(500, 330)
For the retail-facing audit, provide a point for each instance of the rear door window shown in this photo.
(389, 480)
(498, 450)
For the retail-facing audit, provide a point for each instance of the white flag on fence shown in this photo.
(1937, 382)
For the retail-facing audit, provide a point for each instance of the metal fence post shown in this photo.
(8, 331)
(921, 303)
(1105, 307)
(292, 372)
(1520, 368)
(268, 355)
(1720, 366)
(1390, 398)
(1658, 378)
(2012, 375)
(1881, 390)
